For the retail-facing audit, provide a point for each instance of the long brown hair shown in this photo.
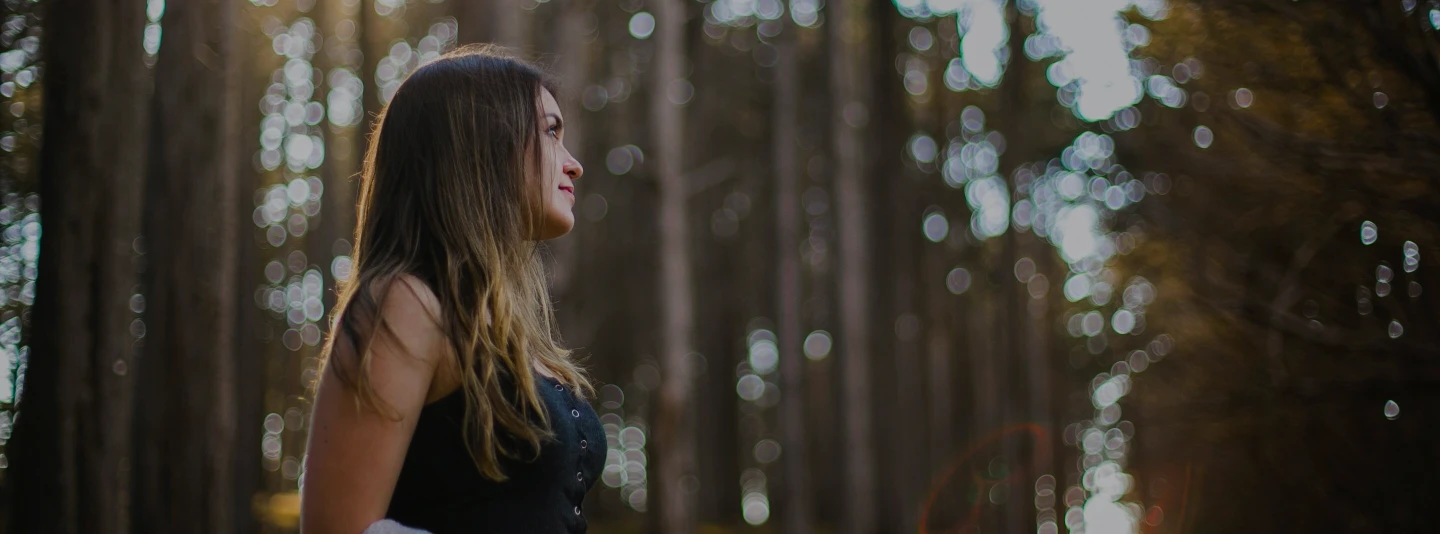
(445, 198)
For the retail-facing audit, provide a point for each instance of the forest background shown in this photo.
(846, 266)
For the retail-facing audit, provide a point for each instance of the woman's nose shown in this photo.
(572, 168)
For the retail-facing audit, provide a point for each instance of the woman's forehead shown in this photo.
(548, 102)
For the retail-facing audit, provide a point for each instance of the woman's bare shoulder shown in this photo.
(410, 294)
(412, 318)
(415, 300)
(354, 455)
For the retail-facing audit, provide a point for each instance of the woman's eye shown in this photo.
(554, 131)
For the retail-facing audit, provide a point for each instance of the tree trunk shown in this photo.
(1027, 347)
(71, 448)
(574, 62)
(848, 28)
(372, 47)
(186, 474)
(342, 162)
(1017, 373)
(500, 22)
(1037, 362)
(795, 487)
(939, 377)
(250, 364)
(674, 425)
(896, 377)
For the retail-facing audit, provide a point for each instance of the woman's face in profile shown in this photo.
(558, 172)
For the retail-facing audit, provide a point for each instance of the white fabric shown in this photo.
(389, 526)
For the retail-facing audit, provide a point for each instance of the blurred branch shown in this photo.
(1352, 340)
(1287, 296)
(1421, 152)
(1407, 47)
(1416, 159)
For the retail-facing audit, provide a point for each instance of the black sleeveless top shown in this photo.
(441, 490)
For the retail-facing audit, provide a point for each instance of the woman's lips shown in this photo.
(569, 191)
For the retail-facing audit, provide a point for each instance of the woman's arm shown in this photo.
(355, 454)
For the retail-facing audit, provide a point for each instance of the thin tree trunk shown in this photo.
(251, 82)
(71, 446)
(337, 213)
(674, 426)
(1015, 111)
(512, 24)
(984, 370)
(250, 364)
(907, 420)
(473, 24)
(826, 481)
(1011, 395)
(897, 378)
(500, 22)
(190, 403)
(795, 488)
(939, 379)
(848, 27)
(373, 46)
(1038, 370)
(573, 67)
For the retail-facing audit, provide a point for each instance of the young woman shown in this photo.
(446, 403)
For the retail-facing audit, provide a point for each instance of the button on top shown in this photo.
(559, 387)
(575, 413)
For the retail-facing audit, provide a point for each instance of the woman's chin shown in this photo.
(557, 226)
